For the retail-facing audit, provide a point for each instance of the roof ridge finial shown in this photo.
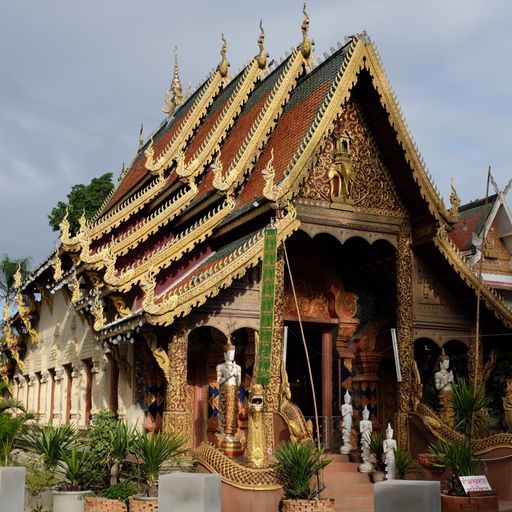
(307, 44)
(454, 201)
(177, 90)
(223, 67)
(262, 55)
(141, 135)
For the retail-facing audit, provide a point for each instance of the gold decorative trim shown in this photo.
(263, 125)
(97, 311)
(193, 118)
(234, 473)
(126, 209)
(122, 309)
(57, 267)
(173, 250)
(222, 274)
(217, 134)
(167, 212)
(491, 298)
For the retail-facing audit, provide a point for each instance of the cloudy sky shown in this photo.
(78, 78)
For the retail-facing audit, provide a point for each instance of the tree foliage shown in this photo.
(86, 199)
(8, 267)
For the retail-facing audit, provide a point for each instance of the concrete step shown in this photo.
(350, 477)
(350, 490)
(338, 457)
(353, 502)
(337, 467)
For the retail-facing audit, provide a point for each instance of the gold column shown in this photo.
(404, 333)
(178, 416)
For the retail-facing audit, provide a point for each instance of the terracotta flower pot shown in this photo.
(469, 503)
(323, 505)
(93, 504)
(143, 504)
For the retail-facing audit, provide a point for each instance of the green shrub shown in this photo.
(121, 491)
(297, 463)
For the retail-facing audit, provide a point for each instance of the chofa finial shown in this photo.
(262, 55)
(223, 67)
(454, 201)
(177, 91)
(307, 44)
(141, 135)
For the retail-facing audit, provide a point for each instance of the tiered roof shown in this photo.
(189, 214)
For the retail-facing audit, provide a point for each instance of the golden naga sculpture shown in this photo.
(256, 451)
(307, 45)
(507, 404)
(262, 55)
(269, 191)
(223, 67)
(57, 267)
(177, 91)
(98, 312)
(455, 202)
(74, 288)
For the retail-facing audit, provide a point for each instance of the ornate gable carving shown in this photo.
(348, 170)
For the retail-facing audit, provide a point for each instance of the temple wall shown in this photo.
(58, 369)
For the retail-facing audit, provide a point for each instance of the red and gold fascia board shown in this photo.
(491, 298)
(142, 231)
(193, 118)
(261, 128)
(164, 256)
(208, 282)
(211, 144)
(361, 55)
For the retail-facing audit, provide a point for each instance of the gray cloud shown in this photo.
(78, 78)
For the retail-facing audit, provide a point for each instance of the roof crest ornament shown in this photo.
(57, 266)
(171, 104)
(223, 67)
(455, 202)
(262, 55)
(141, 135)
(307, 44)
(269, 191)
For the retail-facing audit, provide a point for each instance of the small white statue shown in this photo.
(389, 447)
(443, 380)
(365, 428)
(346, 414)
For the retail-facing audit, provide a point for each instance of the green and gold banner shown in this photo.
(268, 292)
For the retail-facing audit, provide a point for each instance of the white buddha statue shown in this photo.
(388, 448)
(346, 414)
(365, 428)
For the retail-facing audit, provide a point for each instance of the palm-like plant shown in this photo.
(11, 425)
(297, 463)
(153, 450)
(405, 464)
(122, 442)
(75, 463)
(377, 449)
(50, 441)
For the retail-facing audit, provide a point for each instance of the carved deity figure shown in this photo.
(346, 414)
(365, 428)
(389, 447)
(229, 377)
(443, 380)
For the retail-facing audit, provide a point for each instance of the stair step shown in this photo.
(351, 477)
(334, 467)
(338, 457)
(364, 489)
(352, 502)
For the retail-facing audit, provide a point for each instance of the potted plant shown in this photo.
(297, 465)
(457, 456)
(377, 451)
(111, 499)
(75, 465)
(152, 451)
(405, 465)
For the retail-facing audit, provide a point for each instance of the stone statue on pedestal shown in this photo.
(229, 377)
(365, 428)
(388, 447)
(443, 380)
(346, 414)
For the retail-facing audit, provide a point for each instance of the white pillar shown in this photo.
(46, 389)
(76, 386)
(58, 400)
(99, 389)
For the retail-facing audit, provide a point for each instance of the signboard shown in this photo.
(268, 291)
(475, 483)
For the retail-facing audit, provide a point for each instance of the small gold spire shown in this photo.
(307, 44)
(141, 135)
(454, 201)
(17, 278)
(177, 91)
(262, 55)
(223, 67)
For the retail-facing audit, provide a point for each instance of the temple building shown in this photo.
(305, 164)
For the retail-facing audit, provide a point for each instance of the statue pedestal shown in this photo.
(365, 467)
(231, 447)
(346, 449)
